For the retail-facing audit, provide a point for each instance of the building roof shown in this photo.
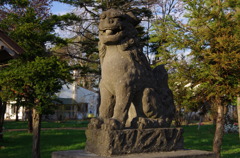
(8, 48)
(66, 101)
(78, 94)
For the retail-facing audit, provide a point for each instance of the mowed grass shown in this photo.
(18, 144)
(202, 139)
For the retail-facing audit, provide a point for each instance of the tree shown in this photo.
(215, 48)
(41, 79)
(36, 75)
(211, 35)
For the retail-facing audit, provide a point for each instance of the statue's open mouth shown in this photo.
(109, 32)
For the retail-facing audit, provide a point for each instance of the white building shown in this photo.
(74, 102)
(78, 102)
(10, 113)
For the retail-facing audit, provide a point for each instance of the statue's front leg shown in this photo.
(105, 109)
(123, 102)
(107, 103)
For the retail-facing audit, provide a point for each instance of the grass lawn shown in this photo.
(202, 140)
(17, 144)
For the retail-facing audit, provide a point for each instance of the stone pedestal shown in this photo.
(167, 154)
(129, 141)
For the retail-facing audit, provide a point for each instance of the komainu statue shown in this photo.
(129, 88)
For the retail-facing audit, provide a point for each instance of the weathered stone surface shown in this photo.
(128, 141)
(129, 88)
(171, 154)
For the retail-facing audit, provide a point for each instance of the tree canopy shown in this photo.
(36, 76)
(210, 35)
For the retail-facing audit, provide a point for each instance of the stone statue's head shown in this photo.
(116, 26)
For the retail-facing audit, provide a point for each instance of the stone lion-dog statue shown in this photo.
(129, 88)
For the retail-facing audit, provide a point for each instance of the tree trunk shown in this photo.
(217, 142)
(2, 112)
(17, 109)
(36, 134)
(30, 120)
(238, 113)
(17, 106)
(200, 122)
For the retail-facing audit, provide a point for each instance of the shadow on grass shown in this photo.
(45, 124)
(19, 144)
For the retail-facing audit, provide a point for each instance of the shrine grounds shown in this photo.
(70, 135)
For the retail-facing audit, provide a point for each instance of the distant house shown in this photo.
(73, 102)
(76, 103)
(8, 48)
(11, 110)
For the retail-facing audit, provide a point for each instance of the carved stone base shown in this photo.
(128, 141)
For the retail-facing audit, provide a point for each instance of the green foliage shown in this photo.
(28, 32)
(210, 33)
(32, 28)
(214, 45)
(39, 79)
(36, 76)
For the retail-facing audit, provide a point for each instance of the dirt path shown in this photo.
(65, 128)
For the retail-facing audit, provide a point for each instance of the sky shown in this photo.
(60, 8)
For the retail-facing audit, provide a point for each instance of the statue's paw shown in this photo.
(95, 123)
(140, 123)
(111, 124)
(164, 122)
(144, 123)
